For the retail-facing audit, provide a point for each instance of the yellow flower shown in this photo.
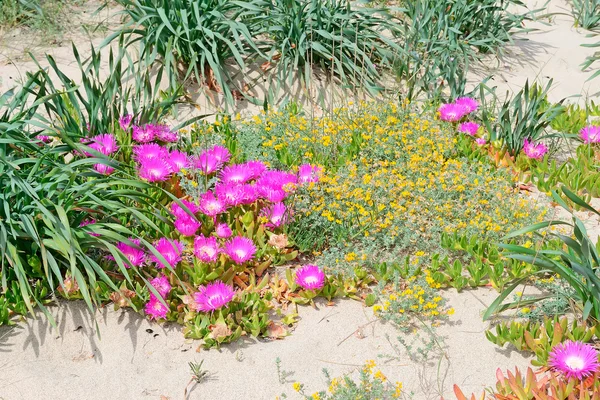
(379, 375)
(525, 310)
(297, 386)
(316, 396)
(398, 392)
(450, 311)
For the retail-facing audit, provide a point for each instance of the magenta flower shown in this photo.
(272, 194)
(276, 214)
(231, 194)
(155, 309)
(150, 150)
(180, 212)
(223, 230)
(236, 174)
(213, 296)
(162, 285)
(574, 359)
(162, 132)
(278, 179)
(535, 151)
(452, 112)
(590, 134)
(256, 168)
(308, 173)
(207, 163)
(44, 138)
(125, 121)
(250, 194)
(468, 103)
(211, 205)
(142, 135)
(178, 160)
(470, 128)
(135, 255)
(480, 141)
(104, 169)
(240, 249)
(170, 250)
(105, 144)
(310, 277)
(154, 169)
(187, 225)
(206, 249)
(221, 154)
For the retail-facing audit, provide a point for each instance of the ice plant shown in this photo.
(155, 309)
(240, 249)
(308, 173)
(211, 205)
(470, 128)
(178, 160)
(125, 121)
(574, 359)
(206, 249)
(480, 141)
(590, 134)
(142, 135)
(534, 151)
(236, 174)
(187, 226)
(170, 250)
(87, 222)
(104, 169)
(162, 285)
(213, 296)
(154, 169)
(150, 150)
(179, 212)
(276, 214)
(468, 104)
(135, 255)
(223, 230)
(452, 112)
(255, 168)
(310, 277)
(44, 138)
(105, 144)
(230, 193)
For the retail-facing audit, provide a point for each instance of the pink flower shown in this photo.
(278, 179)
(574, 359)
(256, 168)
(154, 169)
(308, 173)
(250, 194)
(162, 132)
(470, 128)
(276, 215)
(150, 150)
(104, 169)
(480, 141)
(135, 255)
(105, 144)
(221, 154)
(162, 285)
(207, 163)
(142, 135)
(236, 174)
(178, 160)
(240, 249)
(213, 296)
(125, 121)
(180, 212)
(590, 134)
(170, 250)
(452, 112)
(535, 151)
(310, 277)
(468, 103)
(272, 194)
(223, 231)
(211, 205)
(231, 194)
(206, 249)
(44, 138)
(155, 309)
(187, 225)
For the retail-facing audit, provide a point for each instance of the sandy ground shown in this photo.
(135, 359)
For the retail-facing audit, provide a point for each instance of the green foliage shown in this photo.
(542, 385)
(540, 337)
(577, 265)
(525, 115)
(44, 16)
(586, 13)
(332, 38)
(441, 40)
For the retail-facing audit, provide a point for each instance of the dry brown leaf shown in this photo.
(276, 331)
(219, 331)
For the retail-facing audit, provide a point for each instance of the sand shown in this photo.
(132, 358)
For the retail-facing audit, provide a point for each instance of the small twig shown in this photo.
(357, 330)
